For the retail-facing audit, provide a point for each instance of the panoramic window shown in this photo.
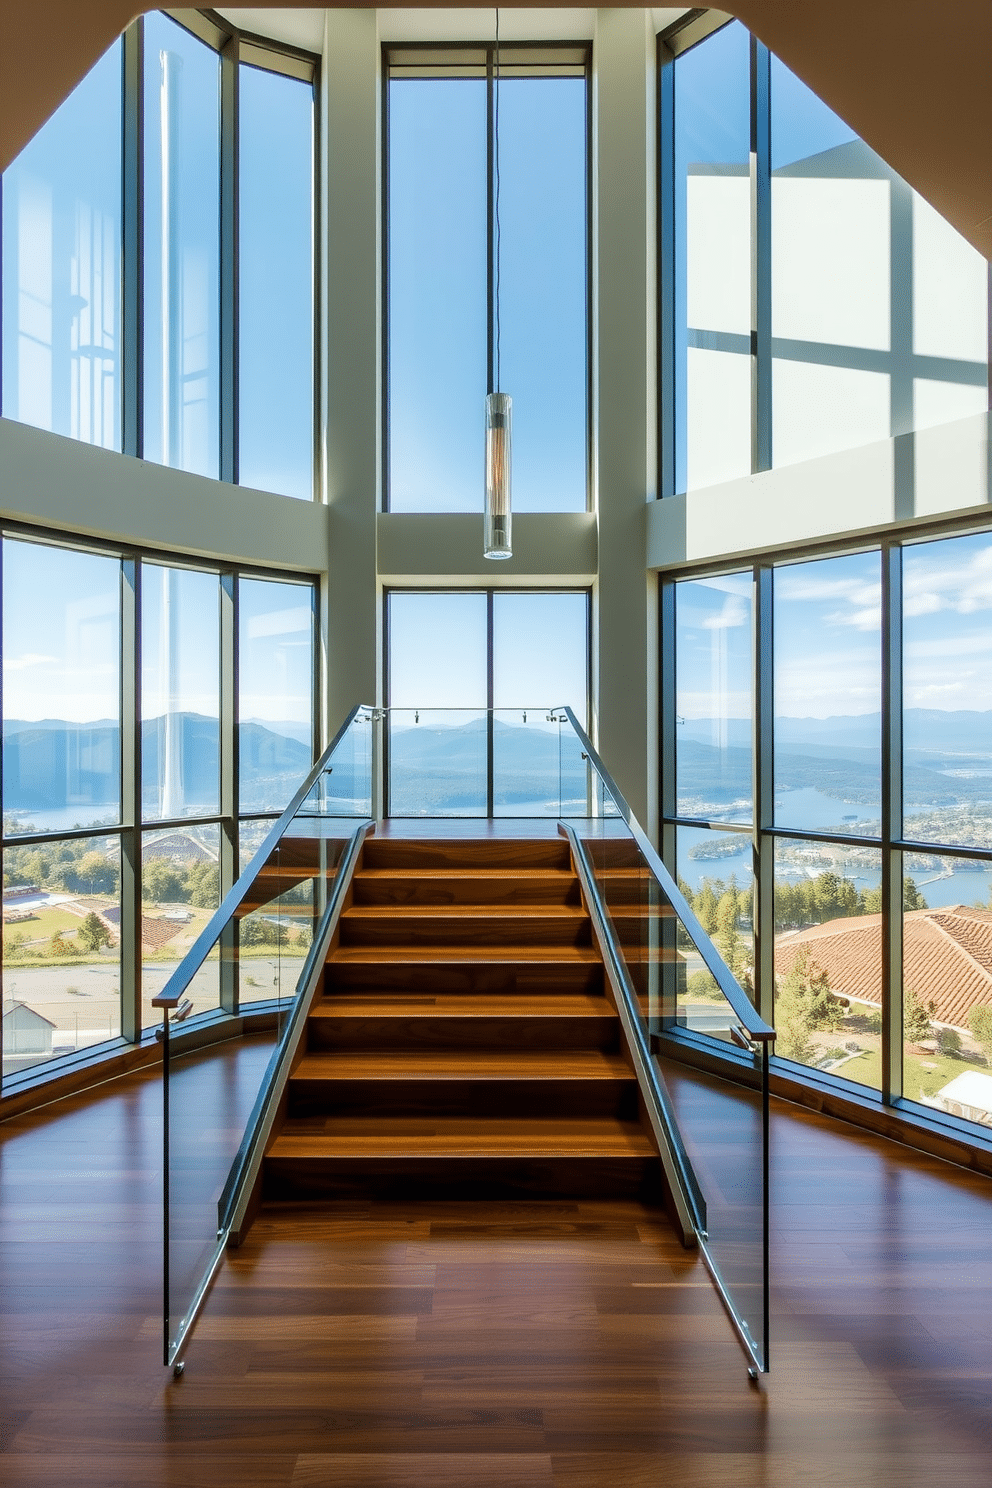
(206, 322)
(276, 284)
(61, 271)
(817, 302)
(181, 249)
(452, 259)
(473, 680)
(876, 924)
(75, 823)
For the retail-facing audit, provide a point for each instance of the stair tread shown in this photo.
(453, 1004)
(465, 911)
(461, 1137)
(471, 955)
(468, 1064)
(530, 875)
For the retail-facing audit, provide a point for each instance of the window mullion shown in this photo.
(761, 257)
(229, 90)
(132, 215)
(763, 786)
(892, 826)
(130, 741)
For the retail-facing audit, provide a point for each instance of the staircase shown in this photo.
(464, 1044)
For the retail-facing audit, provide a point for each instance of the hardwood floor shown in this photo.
(522, 1344)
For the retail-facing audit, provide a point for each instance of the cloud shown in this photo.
(30, 659)
(734, 613)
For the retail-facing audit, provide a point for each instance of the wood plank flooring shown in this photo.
(520, 1345)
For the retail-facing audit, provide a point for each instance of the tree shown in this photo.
(161, 882)
(804, 1004)
(871, 899)
(59, 946)
(93, 933)
(948, 1041)
(705, 906)
(916, 1016)
(202, 885)
(96, 873)
(980, 1023)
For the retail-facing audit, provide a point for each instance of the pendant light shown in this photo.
(496, 536)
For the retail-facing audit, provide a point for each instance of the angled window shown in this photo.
(810, 301)
(61, 311)
(453, 136)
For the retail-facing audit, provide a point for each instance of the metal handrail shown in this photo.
(753, 1024)
(172, 992)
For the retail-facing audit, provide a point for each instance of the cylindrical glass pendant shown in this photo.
(496, 541)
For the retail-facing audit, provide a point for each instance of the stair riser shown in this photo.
(431, 893)
(492, 853)
(468, 930)
(430, 978)
(491, 1099)
(462, 1178)
(454, 1032)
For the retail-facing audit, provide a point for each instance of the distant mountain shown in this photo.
(927, 730)
(55, 765)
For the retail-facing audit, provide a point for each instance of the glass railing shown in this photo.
(712, 1132)
(492, 762)
(269, 939)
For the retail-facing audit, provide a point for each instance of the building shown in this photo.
(788, 435)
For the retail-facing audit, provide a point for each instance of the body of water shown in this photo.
(810, 810)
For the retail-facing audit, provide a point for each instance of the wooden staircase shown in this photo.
(464, 1044)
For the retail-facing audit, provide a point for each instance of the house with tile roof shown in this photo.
(947, 958)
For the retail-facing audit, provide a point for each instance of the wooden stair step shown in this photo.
(373, 1005)
(436, 886)
(463, 1137)
(473, 955)
(446, 1064)
(462, 924)
(454, 852)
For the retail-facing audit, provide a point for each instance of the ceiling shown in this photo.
(911, 77)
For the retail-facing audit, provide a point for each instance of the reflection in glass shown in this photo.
(542, 153)
(276, 697)
(827, 645)
(61, 699)
(61, 949)
(828, 958)
(713, 698)
(180, 889)
(947, 691)
(181, 249)
(61, 310)
(713, 260)
(437, 293)
(275, 284)
(715, 875)
(180, 693)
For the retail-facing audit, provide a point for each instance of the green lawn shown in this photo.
(921, 1072)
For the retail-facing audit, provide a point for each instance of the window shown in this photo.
(449, 252)
(872, 893)
(205, 322)
(61, 267)
(472, 676)
(85, 947)
(810, 300)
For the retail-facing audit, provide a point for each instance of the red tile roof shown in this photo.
(947, 957)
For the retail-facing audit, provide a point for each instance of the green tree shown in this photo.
(93, 933)
(161, 882)
(59, 946)
(804, 1004)
(202, 885)
(705, 906)
(916, 1016)
(980, 1023)
(96, 873)
(948, 1041)
(871, 899)
(13, 944)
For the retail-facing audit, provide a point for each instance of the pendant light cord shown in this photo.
(496, 166)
